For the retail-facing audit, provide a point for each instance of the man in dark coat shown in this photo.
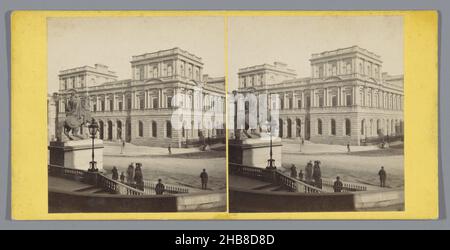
(139, 177)
(317, 175)
(338, 185)
(204, 178)
(383, 175)
(309, 171)
(130, 174)
(115, 173)
(293, 171)
(159, 189)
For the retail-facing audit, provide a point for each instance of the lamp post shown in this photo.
(270, 161)
(93, 129)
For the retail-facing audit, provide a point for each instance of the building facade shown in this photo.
(347, 98)
(167, 100)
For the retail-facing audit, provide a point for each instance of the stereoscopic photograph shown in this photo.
(316, 113)
(136, 114)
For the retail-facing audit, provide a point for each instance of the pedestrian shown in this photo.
(293, 171)
(382, 173)
(300, 175)
(130, 174)
(204, 179)
(159, 188)
(122, 177)
(169, 148)
(115, 173)
(338, 185)
(309, 171)
(139, 177)
(303, 141)
(317, 175)
(348, 147)
(123, 147)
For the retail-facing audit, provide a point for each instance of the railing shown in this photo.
(150, 186)
(294, 185)
(95, 179)
(273, 176)
(116, 187)
(347, 187)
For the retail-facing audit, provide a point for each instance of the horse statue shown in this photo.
(77, 115)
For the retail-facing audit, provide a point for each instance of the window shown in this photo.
(349, 100)
(320, 71)
(141, 73)
(319, 127)
(102, 102)
(141, 103)
(299, 104)
(334, 101)
(308, 102)
(169, 70)
(320, 101)
(155, 72)
(129, 103)
(94, 107)
(291, 105)
(169, 102)
(120, 106)
(155, 102)
(347, 127)
(333, 127)
(168, 129)
(154, 129)
(111, 105)
(141, 129)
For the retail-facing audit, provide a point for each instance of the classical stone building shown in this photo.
(347, 98)
(168, 100)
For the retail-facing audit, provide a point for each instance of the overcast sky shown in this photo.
(258, 40)
(74, 42)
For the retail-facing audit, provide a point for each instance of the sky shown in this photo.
(112, 41)
(292, 40)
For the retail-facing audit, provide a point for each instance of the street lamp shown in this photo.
(93, 129)
(270, 161)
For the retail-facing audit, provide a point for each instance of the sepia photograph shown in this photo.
(136, 114)
(316, 113)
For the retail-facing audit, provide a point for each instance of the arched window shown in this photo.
(141, 129)
(348, 128)
(154, 129)
(319, 127)
(168, 129)
(333, 127)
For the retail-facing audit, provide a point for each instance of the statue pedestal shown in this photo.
(254, 152)
(76, 154)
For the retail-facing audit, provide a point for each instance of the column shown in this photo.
(303, 99)
(146, 99)
(325, 97)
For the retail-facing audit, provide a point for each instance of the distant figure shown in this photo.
(139, 177)
(159, 189)
(348, 147)
(293, 171)
(338, 185)
(309, 171)
(317, 175)
(169, 148)
(122, 177)
(130, 174)
(382, 173)
(303, 141)
(115, 173)
(123, 147)
(300, 175)
(204, 178)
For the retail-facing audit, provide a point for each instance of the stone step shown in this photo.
(91, 190)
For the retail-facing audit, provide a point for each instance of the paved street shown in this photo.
(360, 166)
(183, 167)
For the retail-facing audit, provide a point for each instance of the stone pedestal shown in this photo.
(76, 154)
(255, 152)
